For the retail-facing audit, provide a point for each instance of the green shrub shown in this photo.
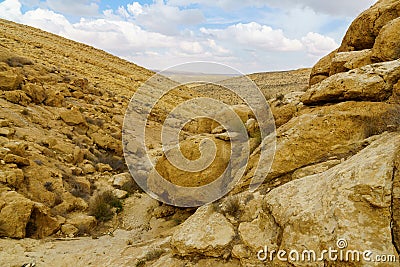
(102, 206)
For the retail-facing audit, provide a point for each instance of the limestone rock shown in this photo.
(35, 92)
(17, 148)
(321, 70)
(314, 169)
(370, 83)
(336, 130)
(7, 132)
(387, 45)
(17, 97)
(81, 221)
(12, 177)
(88, 168)
(285, 109)
(10, 81)
(354, 203)
(102, 167)
(54, 98)
(20, 161)
(106, 141)
(345, 61)
(206, 232)
(191, 150)
(122, 179)
(72, 117)
(42, 223)
(15, 212)
(138, 211)
(260, 232)
(366, 27)
(120, 194)
(69, 230)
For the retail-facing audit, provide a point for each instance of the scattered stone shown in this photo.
(72, 117)
(69, 230)
(76, 171)
(4, 123)
(120, 194)
(20, 161)
(15, 212)
(10, 81)
(12, 177)
(17, 97)
(206, 232)
(122, 179)
(7, 132)
(101, 167)
(35, 92)
(88, 168)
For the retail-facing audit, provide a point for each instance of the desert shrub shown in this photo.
(140, 263)
(153, 254)
(77, 190)
(95, 121)
(49, 186)
(280, 97)
(18, 61)
(102, 206)
(231, 206)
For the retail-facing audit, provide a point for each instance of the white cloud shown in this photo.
(74, 7)
(10, 9)
(256, 35)
(135, 8)
(161, 17)
(318, 45)
(337, 8)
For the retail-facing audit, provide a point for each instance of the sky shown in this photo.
(250, 36)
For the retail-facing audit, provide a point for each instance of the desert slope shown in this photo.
(333, 183)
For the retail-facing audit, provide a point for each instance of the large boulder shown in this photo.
(321, 70)
(329, 132)
(366, 27)
(387, 44)
(346, 61)
(9, 80)
(369, 83)
(15, 212)
(206, 232)
(72, 116)
(350, 202)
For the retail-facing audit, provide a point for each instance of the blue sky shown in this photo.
(251, 36)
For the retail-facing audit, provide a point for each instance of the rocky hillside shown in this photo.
(333, 184)
(62, 108)
(271, 84)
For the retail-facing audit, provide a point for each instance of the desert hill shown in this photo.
(66, 197)
(271, 84)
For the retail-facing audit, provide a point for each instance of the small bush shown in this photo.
(18, 61)
(102, 206)
(49, 186)
(153, 254)
(280, 97)
(231, 206)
